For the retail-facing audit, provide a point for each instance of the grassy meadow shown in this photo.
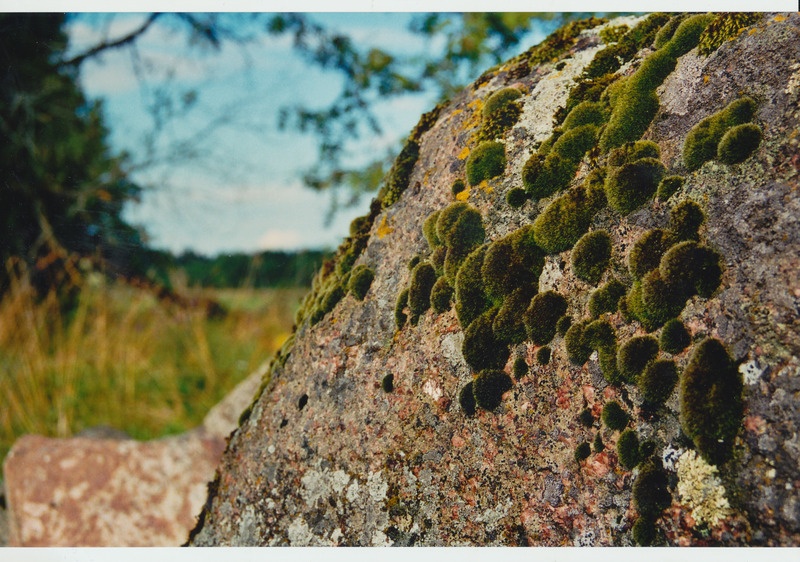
(125, 359)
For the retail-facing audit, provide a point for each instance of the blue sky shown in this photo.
(245, 192)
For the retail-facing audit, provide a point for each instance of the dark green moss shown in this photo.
(471, 299)
(413, 262)
(650, 491)
(685, 220)
(628, 449)
(487, 161)
(508, 325)
(606, 298)
(543, 355)
(614, 417)
(591, 255)
(438, 257)
(710, 392)
(460, 227)
(541, 316)
(400, 316)
(644, 531)
(466, 399)
(489, 386)
(398, 177)
(563, 324)
(512, 262)
(441, 295)
(458, 186)
(419, 292)
(613, 34)
(558, 43)
(631, 185)
(482, 349)
(429, 230)
(633, 151)
(739, 143)
(516, 197)
(674, 337)
(360, 226)
(500, 112)
(598, 444)
(587, 89)
(360, 281)
(658, 381)
(586, 418)
(634, 355)
(665, 33)
(582, 452)
(690, 268)
(647, 251)
(387, 383)
(586, 113)
(654, 301)
(703, 139)
(332, 298)
(724, 27)
(565, 220)
(669, 186)
(520, 367)
(543, 176)
(454, 259)
(577, 347)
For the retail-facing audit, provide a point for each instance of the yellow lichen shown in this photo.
(463, 195)
(700, 488)
(384, 228)
(464, 153)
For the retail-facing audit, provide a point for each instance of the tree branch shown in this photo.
(106, 45)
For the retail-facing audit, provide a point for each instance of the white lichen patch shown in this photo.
(491, 517)
(377, 486)
(300, 535)
(670, 456)
(751, 371)
(319, 485)
(432, 389)
(551, 275)
(700, 489)
(793, 86)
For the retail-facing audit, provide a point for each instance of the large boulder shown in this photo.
(334, 452)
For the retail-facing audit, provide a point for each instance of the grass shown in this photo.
(124, 359)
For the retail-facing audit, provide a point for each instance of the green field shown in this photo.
(125, 359)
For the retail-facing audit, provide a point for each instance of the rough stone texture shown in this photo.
(99, 490)
(359, 466)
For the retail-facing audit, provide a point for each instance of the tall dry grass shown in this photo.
(124, 359)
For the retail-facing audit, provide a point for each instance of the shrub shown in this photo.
(702, 140)
(614, 417)
(591, 255)
(658, 381)
(481, 348)
(674, 337)
(669, 186)
(564, 221)
(628, 449)
(489, 386)
(419, 292)
(387, 383)
(541, 316)
(543, 355)
(441, 295)
(606, 298)
(739, 143)
(582, 452)
(360, 281)
(487, 161)
(631, 185)
(634, 355)
(466, 399)
(685, 220)
(710, 392)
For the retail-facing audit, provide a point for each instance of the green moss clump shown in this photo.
(674, 337)
(520, 367)
(591, 255)
(466, 398)
(628, 449)
(614, 417)
(647, 251)
(613, 34)
(360, 226)
(582, 452)
(586, 113)
(685, 220)
(650, 491)
(739, 143)
(710, 393)
(489, 386)
(598, 444)
(634, 355)
(703, 139)
(600, 335)
(669, 186)
(565, 220)
(544, 175)
(460, 227)
(606, 298)
(387, 383)
(360, 281)
(543, 355)
(516, 197)
(419, 292)
(631, 185)
(332, 298)
(586, 418)
(500, 112)
(429, 230)
(512, 262)
(508, 325)
(487, 161)
(458, 186)
(665, 33)
(541, 316)
(654, 301)
(577, 347)
(400, 316)
(482, 349)
(398, 177)
(691, 268)
(438, 257)
(471, 299)
(441, 295)
(725, 27)
(563, 324)
(413, 262)
(644, 531)
(633, 151)
(658, 381)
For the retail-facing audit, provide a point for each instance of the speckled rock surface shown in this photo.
(353, 465)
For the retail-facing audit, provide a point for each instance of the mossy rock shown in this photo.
(565, 220)
(500, 112)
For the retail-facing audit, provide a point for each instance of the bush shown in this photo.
(489, 386)
(591, 255)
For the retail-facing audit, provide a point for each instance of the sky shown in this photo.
(245, 192)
